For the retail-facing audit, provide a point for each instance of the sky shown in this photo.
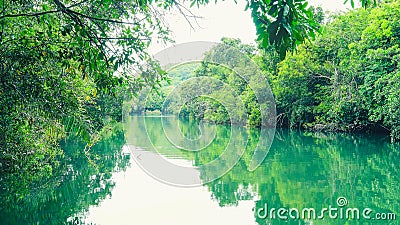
(224, 19)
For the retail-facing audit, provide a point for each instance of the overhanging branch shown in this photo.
(29, 14)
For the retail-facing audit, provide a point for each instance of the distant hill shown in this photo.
(182, 72)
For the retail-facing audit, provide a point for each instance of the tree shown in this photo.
(347, 79)
(287, 23)
(375, 58)
(64, 65)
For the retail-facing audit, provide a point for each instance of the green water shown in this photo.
(301, 171)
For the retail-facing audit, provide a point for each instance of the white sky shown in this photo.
(224, 19)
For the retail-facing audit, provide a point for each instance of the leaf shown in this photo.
(282, 33)
(272, 10)
(304, 6)
(286, 10)
(272, 31)
(247, 6)
(288, 28)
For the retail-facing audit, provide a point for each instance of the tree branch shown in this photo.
(77, 4)
(29, 14)
(123, 38)
(100, 19)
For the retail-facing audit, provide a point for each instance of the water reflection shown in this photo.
(302, 170)
(312, 171)
(213, 150)
(63, 198)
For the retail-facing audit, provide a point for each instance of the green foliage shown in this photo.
(78, 182)
(63, 67)
(378, 52)
(294, 87)
(347, 79)
(344, 80)
(284, 24)
(229, 97)
(149, 99)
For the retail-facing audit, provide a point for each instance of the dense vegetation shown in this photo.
(347, 79)
(66, 65)
(63, 66)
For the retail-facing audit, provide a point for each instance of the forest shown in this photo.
(345, 80)
(66, 66)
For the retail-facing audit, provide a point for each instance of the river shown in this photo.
(305, 178)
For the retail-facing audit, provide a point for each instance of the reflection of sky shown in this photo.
(224, 19)
(139, 199)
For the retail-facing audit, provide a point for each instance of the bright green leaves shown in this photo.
(287, 23)
(62, 68)
(378, 54)
(283, 24)
(364, 3)
(351, 2)
(347, 79)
